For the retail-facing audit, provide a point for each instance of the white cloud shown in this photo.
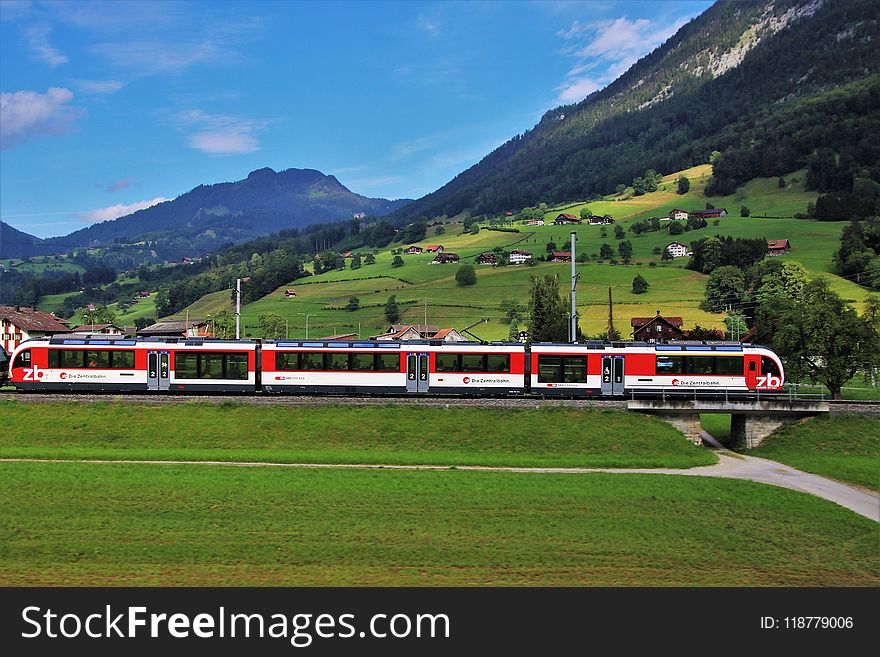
(28, 114)
(38, 43)
(575, 89)
(410, 147)
(429, 26)
(221, 134)
(361, 184)
(151, 57)
(118, 210)
(117, 185)
(99, 86)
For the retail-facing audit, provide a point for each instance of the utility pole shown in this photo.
(237, 308)
(610, 316)
(426, 312)
(572, 335)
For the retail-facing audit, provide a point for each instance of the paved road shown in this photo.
(730, 466)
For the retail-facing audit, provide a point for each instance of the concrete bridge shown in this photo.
(752, 420)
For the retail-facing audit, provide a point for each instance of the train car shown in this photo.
(619, 368)
(106, 364)
(413, 367)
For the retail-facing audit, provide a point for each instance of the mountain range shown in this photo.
(209, 216)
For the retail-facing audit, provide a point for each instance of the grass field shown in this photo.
(345, 434)
(41, 264)
(121, 525)
(841, 447)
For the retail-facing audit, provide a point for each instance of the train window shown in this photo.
(730, 365)
(71, 358)
(362, 362)
(311, 360)
(285, 360)
(236, 366)
(210, 366)
(186, 365)
(23, 359)
(670, 365)
(549, 369)
(699, 365)
(447, 363)
(574, 370)
(123, 360)
(337, 361)
(472, 363)
(387, 362)
(98, 359)
(498, 363)
(769, 366)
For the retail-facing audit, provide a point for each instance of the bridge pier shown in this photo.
(749, 431)
(689, 424)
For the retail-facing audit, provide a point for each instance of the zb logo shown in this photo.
(33, 374)
(769, 381)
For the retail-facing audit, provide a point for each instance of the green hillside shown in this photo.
(673, 290)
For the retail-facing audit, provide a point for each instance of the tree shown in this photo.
(586, 213)
(821, 339)
(639, 285)
(551, 246)
(620, 189)
(548, 315)
(639, 186)
(272, 326)
(711, 254)
(100, 315)
(142, 322)
(787, 282)
(619, 232)
(714, 155)
(397, 261)
(440, 230)
(675, 228)
(370, 259)
(392, 310)
(625, 249)
(514, 311)
(744, 211)
(353, 304)
(724, 288)
(781, 183)
(356, 261)
(222, 325)
(684, 185)
(605, 251)
(736, 326)
(466, 275)
(667, 256)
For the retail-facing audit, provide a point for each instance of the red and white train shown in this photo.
(591, 369)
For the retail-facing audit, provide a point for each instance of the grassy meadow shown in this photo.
(147, 525)
(841, 447)
(345, 434)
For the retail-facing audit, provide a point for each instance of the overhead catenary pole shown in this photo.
(237, 308)
(572, 332)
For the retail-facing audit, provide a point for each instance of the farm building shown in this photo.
(535, 222)
(413, 250)
(601, 220)
(487, 258)
(712, 213)
(518, 257)
(18, 323)
(434, 248)
(657, 328)
(443, 258)
(778, 247)
(677, 250)
(560, 256)
(678, 215)
(289, 293)
(562, 219)
(102, 329)
(194, 328)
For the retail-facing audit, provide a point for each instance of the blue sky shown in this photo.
(109, 107)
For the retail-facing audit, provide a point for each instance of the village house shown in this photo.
(413, 250)
(434, 248)
(560, 256)
(677, 250)
(443, 258)
(289, 293)
(778, 247)
(18, 323)
(601, 220)
(564, 218)
(487, 258)
(341, 337)
(348, 254)
(408, 332)
(712, 213)
(535, 222)
(194, 328)
(99, 329)
(678, 215)
(519, 257)
(657, 328)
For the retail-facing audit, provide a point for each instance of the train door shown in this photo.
(417, 379)
(751, 364)
(612, 375)
(157, 370)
